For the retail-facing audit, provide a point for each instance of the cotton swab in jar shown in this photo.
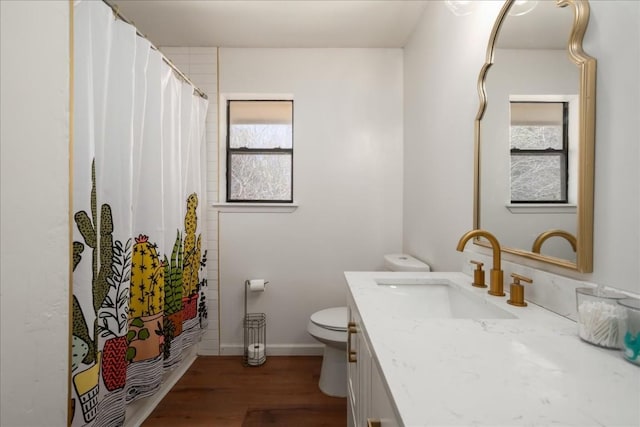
(599, 323)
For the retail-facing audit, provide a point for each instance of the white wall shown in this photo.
(441, 64)
(442, 61)
(613, 38)
(34, 294)
(347, 182)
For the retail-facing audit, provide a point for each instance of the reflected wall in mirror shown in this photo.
(535, 135)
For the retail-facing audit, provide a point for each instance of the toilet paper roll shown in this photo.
(255, 354)
(256, 285)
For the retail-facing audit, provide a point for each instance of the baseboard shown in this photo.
(208, 352)
(138, 411)
(276, 349)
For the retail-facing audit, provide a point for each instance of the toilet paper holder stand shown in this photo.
(247, 284)
(255, 331)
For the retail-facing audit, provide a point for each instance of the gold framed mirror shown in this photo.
(526, 65)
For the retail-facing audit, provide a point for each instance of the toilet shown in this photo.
(329, 326)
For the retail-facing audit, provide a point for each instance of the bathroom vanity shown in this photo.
(368, 398)
(428, 349)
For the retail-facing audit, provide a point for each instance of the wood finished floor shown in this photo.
(219, 391)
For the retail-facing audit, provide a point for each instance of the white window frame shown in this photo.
(222, 205)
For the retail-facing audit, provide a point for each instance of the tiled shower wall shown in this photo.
(200, 64)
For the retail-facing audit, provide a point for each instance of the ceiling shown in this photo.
(319, 23)
(547, 26)
(274, 23)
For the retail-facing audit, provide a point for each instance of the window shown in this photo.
(260, 151)
(539, 146)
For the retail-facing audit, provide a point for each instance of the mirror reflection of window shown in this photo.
(539, 145)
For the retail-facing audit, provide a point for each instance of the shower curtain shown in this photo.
(138, 186)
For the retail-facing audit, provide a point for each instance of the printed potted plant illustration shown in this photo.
(146, 300)
(202, 288)
(113, 317)
(191, 261)
(166, 334)
(172, 323)
(100, 240)
(137, 332)
(79, 346)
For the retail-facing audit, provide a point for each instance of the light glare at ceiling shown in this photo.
(522, 7)
(465, 7)
(459, 7)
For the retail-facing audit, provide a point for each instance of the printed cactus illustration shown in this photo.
(81, 332)
(88, 227)
(172, 322)
(173, 278)
(191, 248)
(99, 237)
(79, 350)
(78, 248)
(147, 280)
(81, 341)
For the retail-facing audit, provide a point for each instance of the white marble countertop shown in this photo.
(532, 370)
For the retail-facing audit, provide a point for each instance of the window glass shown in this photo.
(536, 178)
(260, 151)
(261, 136)
(536, 137)
(538, 143)
(261, 124)
(260, 177)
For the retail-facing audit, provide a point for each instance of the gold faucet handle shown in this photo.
(478, 275)
(517, 277)
(517, 290)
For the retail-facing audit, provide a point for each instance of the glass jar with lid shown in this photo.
(600, 318)
(631, 329)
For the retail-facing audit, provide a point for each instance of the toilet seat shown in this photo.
(333, 319)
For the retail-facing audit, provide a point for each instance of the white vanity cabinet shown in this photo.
(437, 382)
(380, 407)
(368, 401)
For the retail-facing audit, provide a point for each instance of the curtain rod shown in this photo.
(116, 11)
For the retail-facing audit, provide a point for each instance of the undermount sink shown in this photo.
(436, 299)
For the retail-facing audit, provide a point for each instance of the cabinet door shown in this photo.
(364, 379)
(381, 407)
(359, 369)
(367, 397)
(353, 384)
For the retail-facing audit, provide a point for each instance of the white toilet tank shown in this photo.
(404, 262)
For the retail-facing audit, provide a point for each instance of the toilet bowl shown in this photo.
(329, 326)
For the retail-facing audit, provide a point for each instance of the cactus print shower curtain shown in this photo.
(138, 186)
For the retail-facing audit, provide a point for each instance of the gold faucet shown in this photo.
(537, 244)
(496, 284)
